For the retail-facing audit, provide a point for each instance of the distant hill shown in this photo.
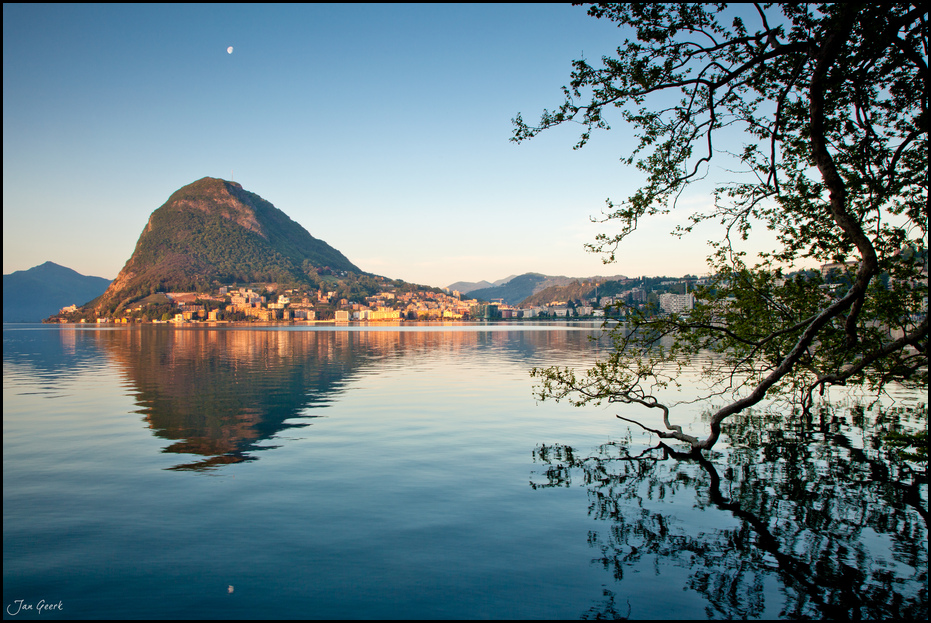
(468, 286)
(571, 292)
(515, 290)
(35, 294)
(512, 291)
(212, 231)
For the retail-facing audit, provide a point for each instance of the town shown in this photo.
(264, 303)
(269, 302)
(379, 300)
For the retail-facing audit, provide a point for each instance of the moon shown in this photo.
(229, 50)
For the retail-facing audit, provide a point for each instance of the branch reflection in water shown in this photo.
(843, 530)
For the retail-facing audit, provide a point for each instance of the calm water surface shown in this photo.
(407, 472)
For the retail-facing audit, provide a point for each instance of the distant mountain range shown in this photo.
(514, 290)
(469, 286)
(212, 231)
(35, 294)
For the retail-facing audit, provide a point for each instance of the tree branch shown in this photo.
(909, 339)
(825, 57)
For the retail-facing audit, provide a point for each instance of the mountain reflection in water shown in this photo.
(222, 394)
(409, 499)
(844, 530)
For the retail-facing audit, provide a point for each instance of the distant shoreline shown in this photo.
(308, 323)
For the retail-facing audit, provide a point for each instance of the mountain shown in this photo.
(514, 290)
(468, 286)
(34, 294)
(501, 282)
(578, 289)
(214, 231)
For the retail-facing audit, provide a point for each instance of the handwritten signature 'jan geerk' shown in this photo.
(20, 605)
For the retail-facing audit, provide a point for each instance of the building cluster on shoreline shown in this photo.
(324, 305)
(264, 303)
(332, 302)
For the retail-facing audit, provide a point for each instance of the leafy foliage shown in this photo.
(832, 103)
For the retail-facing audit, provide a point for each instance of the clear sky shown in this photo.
(381, 129)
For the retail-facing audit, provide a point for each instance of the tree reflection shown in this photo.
(842, 530)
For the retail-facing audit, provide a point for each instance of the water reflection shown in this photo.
(48, 352)
(224, 395)
(842, 530)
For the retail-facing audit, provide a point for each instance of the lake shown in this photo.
(408, 472)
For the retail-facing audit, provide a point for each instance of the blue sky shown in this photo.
(381, 129)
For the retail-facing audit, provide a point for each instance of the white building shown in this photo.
(676, 303)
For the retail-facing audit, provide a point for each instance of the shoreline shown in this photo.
(312, 323)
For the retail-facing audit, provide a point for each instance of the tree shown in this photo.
(832, 101)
